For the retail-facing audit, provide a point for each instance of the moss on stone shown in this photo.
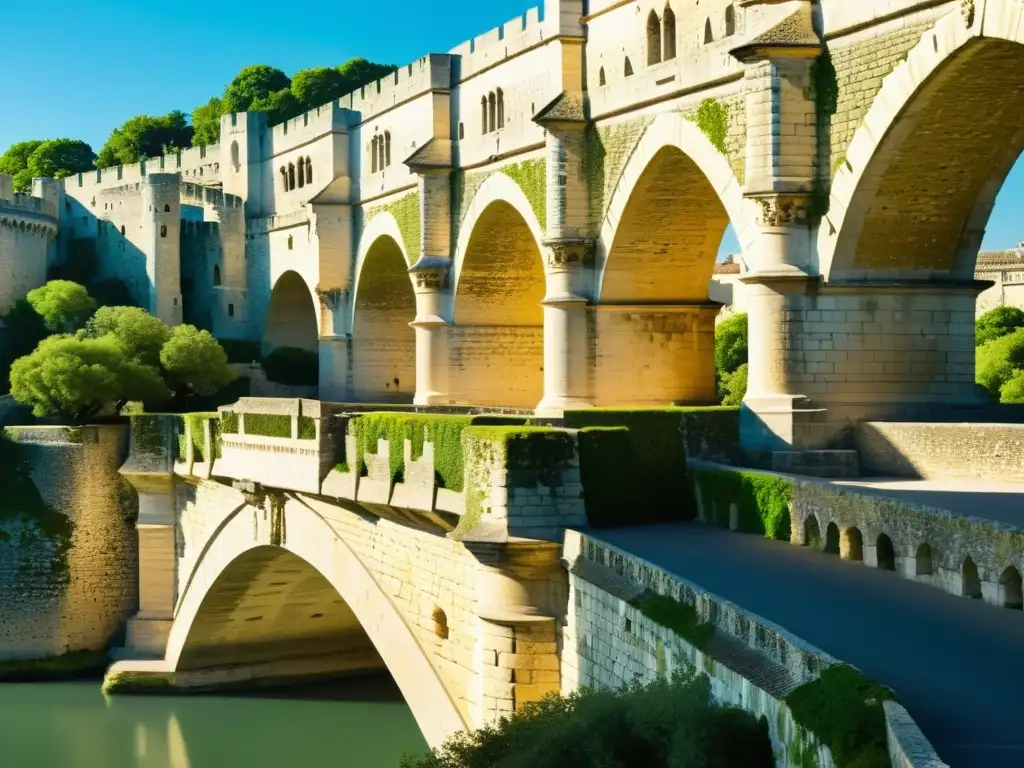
(139, 683)
(679, 617)
(607, 150)
(268, 424)
(195, 432)
(68, 666)
(712, 117)
(531, 455)
(844, 710)
(307, 428)
(762, 501)
(406, 211)
(444, 431)
(531, 176)
(148, 433)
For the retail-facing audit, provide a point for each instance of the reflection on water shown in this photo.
(361, 723)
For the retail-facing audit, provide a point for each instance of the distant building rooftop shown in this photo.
(727, 268)
(996, 259)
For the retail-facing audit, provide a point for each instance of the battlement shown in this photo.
(500, 43)
(201, 229)
(431, 72)
(18, 202)
(197, 194)
(307, 126)
(186, 160)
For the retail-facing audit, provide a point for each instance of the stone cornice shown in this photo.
(16, 217)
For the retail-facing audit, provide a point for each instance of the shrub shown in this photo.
(268, 424)
(664, 723)
(292, 366)
(1013, 390)
(62, 304)
(998, 360)
(996, 323)
(762, 500)
(734, 386)
(731, 343)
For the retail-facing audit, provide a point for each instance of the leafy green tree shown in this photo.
(318, 85)
(145, 136)
(358, 72)
(23, 329)
(139, 333)
(253, 83)
(730, 355)
(194, 362)
(281, 105)
(82, 378)
(1012, 390)
(998, 360)
(58, 158)
(14, 162)
(63, 305)
(734, 386)
(206, 122)
(997, 322)
(665, 724)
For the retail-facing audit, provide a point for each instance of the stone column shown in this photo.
(568, 257)
(522, 599)
(431, 328)
(781, 168)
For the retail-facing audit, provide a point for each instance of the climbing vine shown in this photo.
(531, 176)
(406, 211)
(712, 117)
(608, 149)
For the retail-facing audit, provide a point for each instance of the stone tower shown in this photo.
(161, 209)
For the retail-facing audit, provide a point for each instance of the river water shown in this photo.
(361, 723)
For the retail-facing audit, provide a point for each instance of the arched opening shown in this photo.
(669, 34)
(302, 173)
(832, 539)
(483, 114)
(601, 80)
(492, 112)
(284, 178)
(1011, 590)
(387, 149)
(709, 36)
(309, 171)
(291, 316)
(501, 108)
(497, 354)
(923, 560)
(163, 230)
(235, 162)
(730, 20)
(440, 619)
(654, 324)
(462, 131)
(291, 176)
(167, 208)
(291, 242)
(885, 555)
(628, 68)
(653, 39)
(216, 274)
(383, 343)
(970, 581)
(122, 230)
(812, 532)
(373, 154)
(851, 545)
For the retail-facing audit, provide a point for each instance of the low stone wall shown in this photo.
(971, 451)
(960, 554)
(68, 550)
(908, 747)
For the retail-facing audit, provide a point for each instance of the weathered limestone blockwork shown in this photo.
(497, 365)
(69, 574)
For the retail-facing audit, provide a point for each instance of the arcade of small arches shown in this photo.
(917, 560)
(492, 111)
(289, 178)
(380, 152)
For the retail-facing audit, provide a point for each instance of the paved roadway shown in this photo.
(956, 664)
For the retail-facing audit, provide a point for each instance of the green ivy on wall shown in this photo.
(712, 117)
(608, 149)
(530, 175)
(824, 92)
(406, 211)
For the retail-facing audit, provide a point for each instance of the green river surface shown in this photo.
(360, 723)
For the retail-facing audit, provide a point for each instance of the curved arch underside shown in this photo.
(654, 324)
(497, 349)
(928, 191)
(383, 343)
(291, 315)
(667, 240)
(270, 605)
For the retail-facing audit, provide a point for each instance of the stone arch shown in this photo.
(851, 544)
(291, 315)
(383, 343)
(832, 539)
(923, 560)
(970, 580)
(812, 532)
(340, 607)
(497, 333)
(652, 317)
(1011, 590)
(885, 553)
(916, 187)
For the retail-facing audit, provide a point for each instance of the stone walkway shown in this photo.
(956, 664)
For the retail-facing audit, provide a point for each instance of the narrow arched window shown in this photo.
(291, 242)
(167, 207)
(483, 115)
(653, 39)
(601, 80)
(628, 67)
(302, 173)
(284, 178)
(462, 131)
(668, 35)
(291, 175)
(730, 20)
(708, 36)
(216, 275)
(309, 171)
(373, 155)
(387, 149)
(501, 108)
(122, 230)
(492, 111)
(163, 230)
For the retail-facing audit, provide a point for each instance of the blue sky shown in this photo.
(79, 68)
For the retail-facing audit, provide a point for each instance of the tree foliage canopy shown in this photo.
(997, 322)
(998, 360)
(145, 136)
(62, 304)
(251, 84)
(206, 122)
(731, 359)
(140, 334)
(55, 158)
(195, 362)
